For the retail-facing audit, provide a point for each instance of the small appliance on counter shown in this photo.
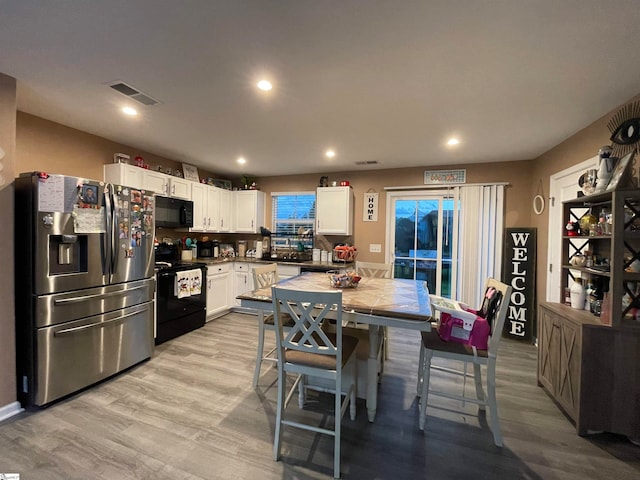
(266, 243)
(242, 248)
(227, 250)
(208, 249)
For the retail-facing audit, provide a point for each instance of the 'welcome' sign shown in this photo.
(519, 271)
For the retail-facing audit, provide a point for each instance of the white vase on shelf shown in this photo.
(578, 295)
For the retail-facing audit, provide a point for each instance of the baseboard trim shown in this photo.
(10, 410)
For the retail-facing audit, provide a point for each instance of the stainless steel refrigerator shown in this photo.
(84, 283)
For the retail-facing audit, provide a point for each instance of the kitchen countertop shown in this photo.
(308, 265)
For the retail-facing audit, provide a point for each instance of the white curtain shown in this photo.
(481, 226)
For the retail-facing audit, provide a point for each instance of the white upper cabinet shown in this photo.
(211, 208)
(167, 185)
(123, 174)
(224, 219)
(158, 183)
(334, 211)
(199, 199)
(180, 188)
(248, 208)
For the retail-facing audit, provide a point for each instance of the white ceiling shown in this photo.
(377, 80)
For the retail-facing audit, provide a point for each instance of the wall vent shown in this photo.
(368, 162)
(133, 93)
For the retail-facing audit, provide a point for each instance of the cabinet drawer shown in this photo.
(242, 267)
(218, 269)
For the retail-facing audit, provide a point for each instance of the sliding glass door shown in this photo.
(421, 238)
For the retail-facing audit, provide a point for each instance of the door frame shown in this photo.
(439, 194)
(556, 182)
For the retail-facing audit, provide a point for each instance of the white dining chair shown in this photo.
(265, 276)
(373, 269)
(377, 270)
(433, 346)
(307, 349)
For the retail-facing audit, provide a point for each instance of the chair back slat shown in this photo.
(500, 315)
(265, 276)
(374, 270)
(308, 311)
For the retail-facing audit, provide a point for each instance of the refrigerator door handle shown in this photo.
(84, 298)
(114, 236)
(67, 331)
(108, 235)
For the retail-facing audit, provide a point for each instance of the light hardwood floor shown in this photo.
(190, 413)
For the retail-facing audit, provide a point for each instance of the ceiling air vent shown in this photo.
(368, 162)
(134, 93)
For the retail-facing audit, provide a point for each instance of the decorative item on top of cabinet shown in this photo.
(190, 172)
(121, 158)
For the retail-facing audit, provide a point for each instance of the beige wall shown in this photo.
(517, 199)
(54, 148)
(7, 243)
(576, 149)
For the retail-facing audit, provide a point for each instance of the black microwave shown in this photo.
(174, 212)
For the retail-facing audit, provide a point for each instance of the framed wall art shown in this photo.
(619, 175)
(190, 172)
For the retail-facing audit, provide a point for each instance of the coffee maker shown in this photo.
(266, 243)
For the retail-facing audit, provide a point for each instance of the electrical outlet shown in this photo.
(375, 248)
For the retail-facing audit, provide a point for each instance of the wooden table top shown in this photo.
(398, 298)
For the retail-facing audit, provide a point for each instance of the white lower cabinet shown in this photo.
(219, 281)
(242, 279)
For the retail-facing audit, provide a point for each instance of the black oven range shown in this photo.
(181, 296)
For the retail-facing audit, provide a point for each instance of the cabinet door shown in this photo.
(217, 293)
(224, 212)
(180, 188)
(212, 209)
(549, 351)
(249, 211)
(334, 211)
(568, 392)
(199, 199)
(123, 174)
(156, 182)
(243, 280)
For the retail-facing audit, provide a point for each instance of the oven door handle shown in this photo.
(61, 301)
(67, 331)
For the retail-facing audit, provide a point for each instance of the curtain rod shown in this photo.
(425, 187)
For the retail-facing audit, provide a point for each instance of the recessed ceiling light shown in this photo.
(129, 111)
(453, 141)
(265, 85)
(330, 154)
(241, 160)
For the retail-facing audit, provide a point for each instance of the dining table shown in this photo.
(376, 302)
